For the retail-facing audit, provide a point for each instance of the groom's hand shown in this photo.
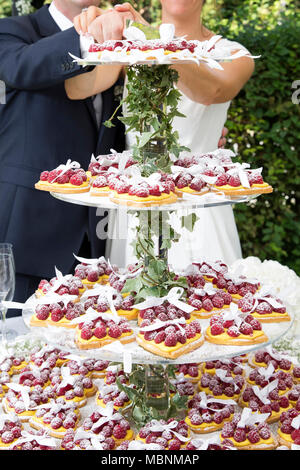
(127, 7)
(103, 25)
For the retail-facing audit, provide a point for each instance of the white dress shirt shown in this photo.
(65, 23)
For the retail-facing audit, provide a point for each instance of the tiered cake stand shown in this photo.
(133, 353)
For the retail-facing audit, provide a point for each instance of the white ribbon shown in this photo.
(263, 393)
(125, 275)
(158, 427)
(92, 315)
(173, 298)
(23, 390)
(249, 418)
(233, 313)
(206, 400)
(133, 173)
(108, 389)
(279, 357)
(68, 166)
(108, 414)
(163, 324)
(296, 422)
(55, 407)
(207, 289)
(44, 440)
(104, 291)
(240, 170)
(262, 296)
(67, 377)
(221, 373)
(91, 261)
(7, 417)
(267, 372)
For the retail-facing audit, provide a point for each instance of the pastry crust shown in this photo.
(34, 321)
(241, 191)
(187, 190)
(95, 343)
(242, 340)
(205, 428)
(100, 192)
(268, 444)
(273, 317)
(128, 200)
(171, 353)
(37, 423)
(63, 188)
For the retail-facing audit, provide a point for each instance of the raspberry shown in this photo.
(171, 340)
(56, 423)
(207, 305)
(7, 437)
(42, 312)
(217, 301)
(155, 191)
(233, 331)
(160, 337)
(284, 402)
(234, 181)
(239, 435)
(100, 182)
(44, 176)
(114, 331)
(76, 180)
(265, 433)
(221, 180)
(57, 316)
(86, 333)
(174, 444)
(100, 331)
(246, 329)
(216, 329)
(253, 436)
(119, 432)
(228, 430)
(197, 184)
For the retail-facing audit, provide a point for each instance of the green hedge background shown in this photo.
(263, 121)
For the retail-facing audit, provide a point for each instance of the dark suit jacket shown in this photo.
(41, 128)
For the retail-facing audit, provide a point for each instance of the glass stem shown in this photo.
(3, 325)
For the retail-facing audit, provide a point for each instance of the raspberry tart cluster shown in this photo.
(170, 340)
(65, 179)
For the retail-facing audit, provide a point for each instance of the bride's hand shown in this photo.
(127, 7)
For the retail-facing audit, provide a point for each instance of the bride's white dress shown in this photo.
(215, 234)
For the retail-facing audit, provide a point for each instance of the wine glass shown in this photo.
(7, 287)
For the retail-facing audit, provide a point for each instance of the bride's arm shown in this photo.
(211, 86)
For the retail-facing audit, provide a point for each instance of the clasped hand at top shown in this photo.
(105, 25)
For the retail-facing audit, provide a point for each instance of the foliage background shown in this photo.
(263, 122)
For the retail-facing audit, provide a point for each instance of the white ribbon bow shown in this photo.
(139, 445)
(163, 324)
(23, 390)
(104, 291)
(68, 166)
(263, 393)
(249, 418)
(296, 422)
(67, 377)
(44, 440)
(207, 289)
(55, 407)
(267, 372)
(173, 298)
(221, 373)
(233, 313)
(7, 417)
(92, 315)
(205, 401)
(158, 427)
(90, 261)
(108, 414)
